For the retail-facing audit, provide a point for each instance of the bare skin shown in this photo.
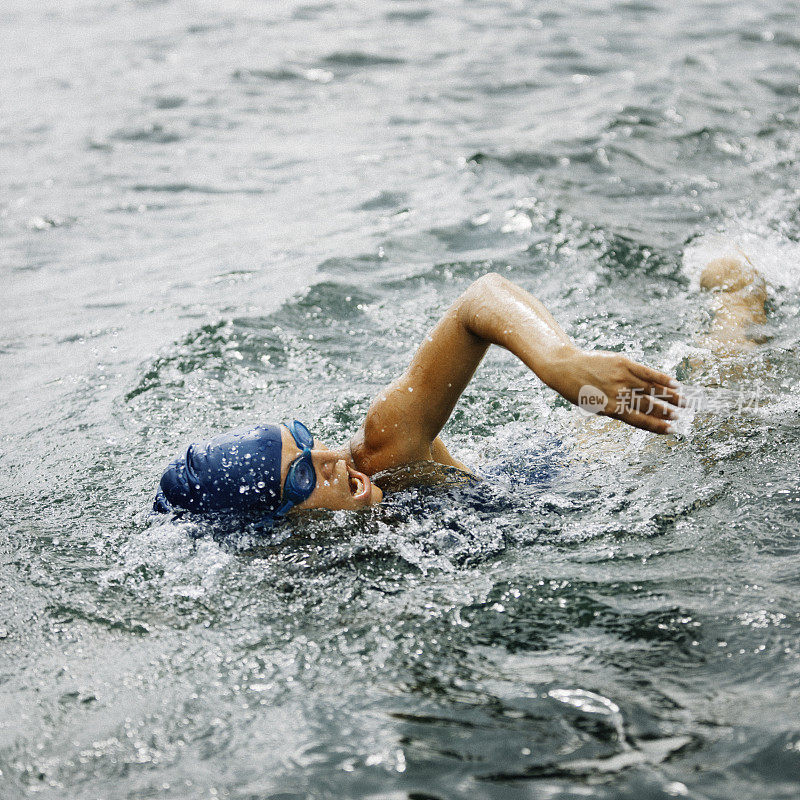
(403, 422)
(738, 302)
(740, 296)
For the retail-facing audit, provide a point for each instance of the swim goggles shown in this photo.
(301, 477)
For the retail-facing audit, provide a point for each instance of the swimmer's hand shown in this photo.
(615, 386)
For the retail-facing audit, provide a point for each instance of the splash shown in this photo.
(763, 237)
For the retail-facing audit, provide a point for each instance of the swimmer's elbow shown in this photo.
(478, 306)
(490, 281)
(491, 291)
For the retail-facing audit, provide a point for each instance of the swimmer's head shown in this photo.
(267, 470)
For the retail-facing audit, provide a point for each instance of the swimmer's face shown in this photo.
(339, 486)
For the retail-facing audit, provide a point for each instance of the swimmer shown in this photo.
(271, 470)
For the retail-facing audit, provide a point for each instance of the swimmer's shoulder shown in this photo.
(372, 454)
(422, 474)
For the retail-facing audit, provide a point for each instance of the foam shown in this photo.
(774, 255)
(165, 556)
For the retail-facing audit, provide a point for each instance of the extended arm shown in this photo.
(405, 418)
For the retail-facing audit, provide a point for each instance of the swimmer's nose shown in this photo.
(325, 463)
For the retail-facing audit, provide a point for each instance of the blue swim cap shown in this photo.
(237, 472)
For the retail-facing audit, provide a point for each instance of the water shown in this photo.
(214, 214)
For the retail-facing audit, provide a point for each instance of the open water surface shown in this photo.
(213, 214)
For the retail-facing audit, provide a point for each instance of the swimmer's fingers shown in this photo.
(647, 399)
(672, 396)
(646, 422)
(646, 405)
(651, 406)
(643, 410)
(658, 383)
(650, 375)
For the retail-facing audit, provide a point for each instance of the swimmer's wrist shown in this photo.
(563, 361)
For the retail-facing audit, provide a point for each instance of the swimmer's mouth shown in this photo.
(360, 484)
